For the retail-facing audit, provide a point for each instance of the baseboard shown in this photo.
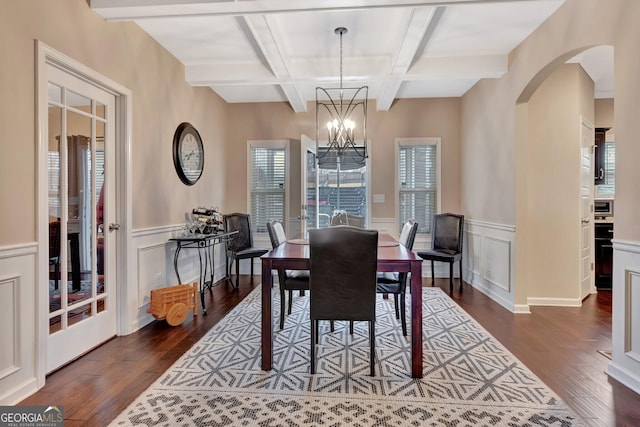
(626, 378)
(555, 302)
(20, 393)
(497, 297)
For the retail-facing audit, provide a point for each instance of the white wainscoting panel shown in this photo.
(489, 258)
(154, 268)
(18, 317)
(9, 319)
(625, 337)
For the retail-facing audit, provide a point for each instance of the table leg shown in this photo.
(416, 320)
(267, 321)
(212, 263)
(175, 262)
(203, 272)
(75, 261)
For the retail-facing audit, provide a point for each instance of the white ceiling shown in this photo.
(281, 50)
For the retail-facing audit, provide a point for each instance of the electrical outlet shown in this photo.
(158, 279)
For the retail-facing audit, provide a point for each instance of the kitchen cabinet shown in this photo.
(598, 158)
(603, 254)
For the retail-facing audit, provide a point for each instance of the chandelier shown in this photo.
(342, 114)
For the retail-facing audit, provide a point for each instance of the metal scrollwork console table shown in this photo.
(205, 244)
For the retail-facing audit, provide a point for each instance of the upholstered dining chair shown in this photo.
(342, 279)
(446, 244)
(289, 280)
(396, 283)
(240, 245)
(54, 250)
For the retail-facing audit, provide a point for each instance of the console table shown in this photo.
(205, 244)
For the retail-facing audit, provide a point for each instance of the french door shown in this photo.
(81, 195)
(309, 193)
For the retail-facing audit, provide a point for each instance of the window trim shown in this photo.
(272, 143)
(418, 141)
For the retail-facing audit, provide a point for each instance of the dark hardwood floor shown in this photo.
(560, 345)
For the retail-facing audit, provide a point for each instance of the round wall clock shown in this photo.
(188, 153)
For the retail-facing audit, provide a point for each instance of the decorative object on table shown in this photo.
(173, 303)
(205, 220)
(446, 244)
(188, 153)
(343, 112)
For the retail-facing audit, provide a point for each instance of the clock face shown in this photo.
(188, 153)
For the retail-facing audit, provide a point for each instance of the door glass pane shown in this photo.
(343, 190)
(55, 281)
(77, 314)
(312, 209)
(78, 101)
(80, 207)
(99, 197)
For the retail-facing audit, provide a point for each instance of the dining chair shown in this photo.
(396, 283)
(446, 244)
(289, 280)
(342, 279)
(240, 245)
(54, 251)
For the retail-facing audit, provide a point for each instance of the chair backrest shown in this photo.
(54, 239)
(447, 232)
(241, 223)
(339, 218)
(355, 220)
(342, 284)
(276, 233)
(408, 233)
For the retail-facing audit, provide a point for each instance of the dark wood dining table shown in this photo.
(392, 256)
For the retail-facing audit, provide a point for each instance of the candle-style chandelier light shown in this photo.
(342, 114)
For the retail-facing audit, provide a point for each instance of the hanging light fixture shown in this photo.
(342, 114)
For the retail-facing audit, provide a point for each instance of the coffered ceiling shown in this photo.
(281, 50)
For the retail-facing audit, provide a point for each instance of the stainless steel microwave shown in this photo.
(603, 207)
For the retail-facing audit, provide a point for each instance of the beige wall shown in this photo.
(161, 100)
(604, 113)
(406, 118)
(495, 162)
(489, 109)
(553, 177)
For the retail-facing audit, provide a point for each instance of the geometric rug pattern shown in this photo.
(470, 379)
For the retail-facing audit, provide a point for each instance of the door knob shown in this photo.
(585, 220)
(113, 227)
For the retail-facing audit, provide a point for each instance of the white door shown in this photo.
(81, 187)
(309, 194)
(587, 280)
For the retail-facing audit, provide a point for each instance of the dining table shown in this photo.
(392, 257)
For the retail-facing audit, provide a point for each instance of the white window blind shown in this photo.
(267, 186)
(418, 179)
(609, 167)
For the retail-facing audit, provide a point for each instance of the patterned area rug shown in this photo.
(470, 379)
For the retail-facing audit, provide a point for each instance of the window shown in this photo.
(418, 181)
(267, 183)
(609, 183)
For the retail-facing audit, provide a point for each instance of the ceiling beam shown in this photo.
(420, 29)
(270, 48)
(128, 10)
